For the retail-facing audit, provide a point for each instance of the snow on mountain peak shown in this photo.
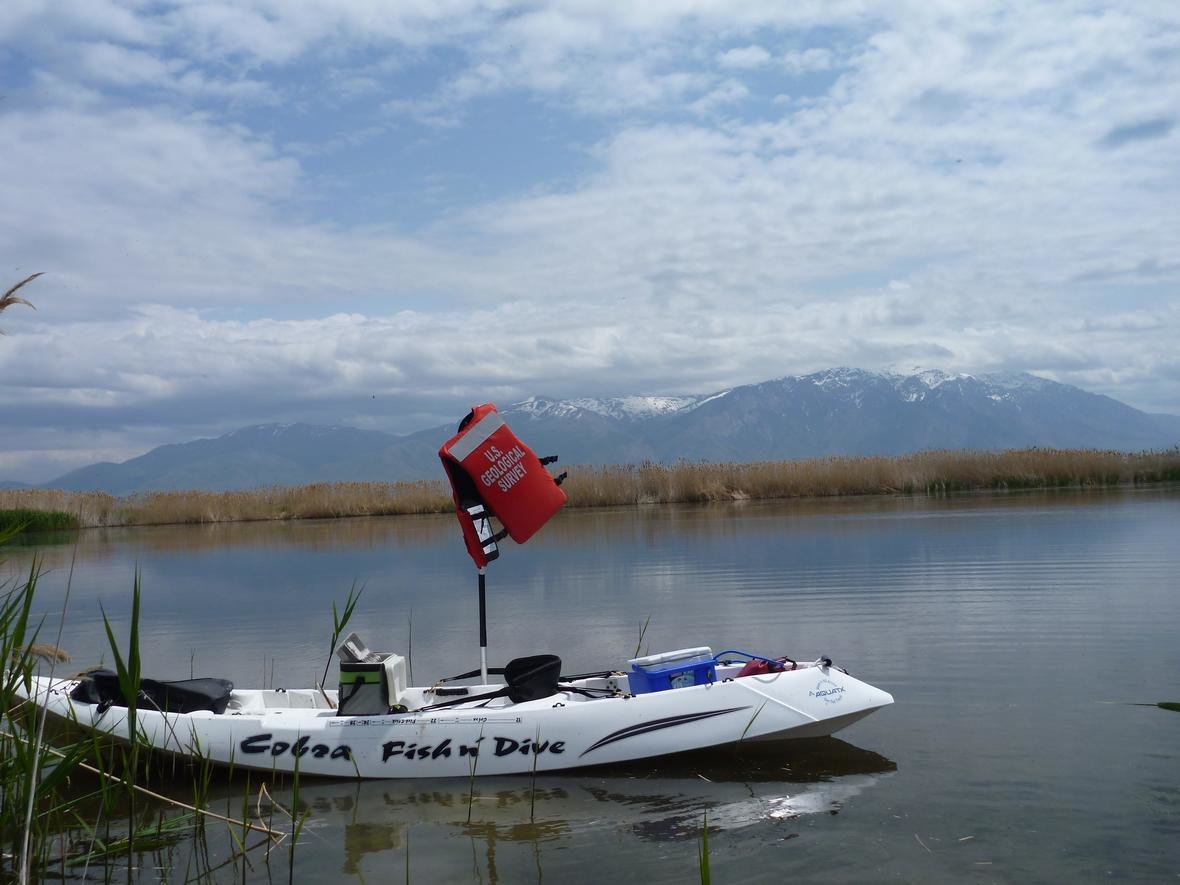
(838, 377)
(633, 407)
(1016, 381)
(933, 378)
(289, 428)
(913, 386)
(649, 406)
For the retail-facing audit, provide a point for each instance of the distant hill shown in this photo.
(262, 455)
(835, 412)
(1170, 423)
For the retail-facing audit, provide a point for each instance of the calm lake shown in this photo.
(1017, 634)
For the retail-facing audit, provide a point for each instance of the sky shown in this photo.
(376, 214)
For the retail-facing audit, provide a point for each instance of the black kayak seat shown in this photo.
(526, 679)
(532, 678)
(178, 696)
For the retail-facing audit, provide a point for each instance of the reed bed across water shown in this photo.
(923, 473)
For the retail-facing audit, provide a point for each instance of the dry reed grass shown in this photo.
(318, 501)
(9, 298)
(935, 472)
(929, 473)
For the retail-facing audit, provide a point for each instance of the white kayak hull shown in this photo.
(298, 730)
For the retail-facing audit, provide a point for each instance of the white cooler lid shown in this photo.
(680, 656)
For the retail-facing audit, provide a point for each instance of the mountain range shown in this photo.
(834, 412)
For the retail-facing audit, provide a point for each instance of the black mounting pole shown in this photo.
(483, 626)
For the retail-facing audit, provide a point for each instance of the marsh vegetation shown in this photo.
(72, 805)
(923, 473)
(28, 519)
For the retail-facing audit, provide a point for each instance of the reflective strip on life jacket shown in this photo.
(475, 435)
(482, 521)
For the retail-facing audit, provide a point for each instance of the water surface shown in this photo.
(1015, 633)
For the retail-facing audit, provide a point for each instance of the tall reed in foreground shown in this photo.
(60, 815)
(128, 668)
(32, 775)
(20, 759)
(703, 851)
(339, 622)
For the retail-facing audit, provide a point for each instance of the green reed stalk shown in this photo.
(202, 774)
(19, 762)
(42, 717)
(533, 780)
(471, 777)
(410, 647)
(32, 775)
(28, 779)
(297, 819)
(129, 672)
(339, 622)
(703, 851)
(642, 633)
(746, 730)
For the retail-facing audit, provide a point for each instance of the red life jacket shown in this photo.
(759, 667)
(493, 473)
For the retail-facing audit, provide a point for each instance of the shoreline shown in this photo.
(685, 482)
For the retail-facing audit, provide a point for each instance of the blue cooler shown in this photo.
(672, 669)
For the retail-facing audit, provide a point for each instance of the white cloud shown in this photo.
(978, 186)
(808, 60)
(109, 64)
(731, 92)
(745, 57)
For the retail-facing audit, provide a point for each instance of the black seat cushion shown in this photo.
(532, 678)
(180, 696)
(99, 687)
(185, 695)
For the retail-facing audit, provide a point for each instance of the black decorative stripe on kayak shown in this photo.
(657, 725)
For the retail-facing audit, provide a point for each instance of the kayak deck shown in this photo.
(251, 701)
(593, 720)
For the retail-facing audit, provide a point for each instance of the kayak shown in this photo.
(533, 721)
